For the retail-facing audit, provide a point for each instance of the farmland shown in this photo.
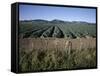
(55, 45)
(56, 28)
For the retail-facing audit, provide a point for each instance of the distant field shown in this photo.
(58, 29)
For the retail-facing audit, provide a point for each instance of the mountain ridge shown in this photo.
(56, 20)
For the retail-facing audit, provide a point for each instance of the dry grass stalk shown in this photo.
(68, 46)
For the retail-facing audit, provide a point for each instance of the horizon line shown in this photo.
(57, 19)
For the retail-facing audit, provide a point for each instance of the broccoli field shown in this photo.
(55, 45)
(56, 28)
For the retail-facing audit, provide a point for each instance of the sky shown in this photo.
(32, 12)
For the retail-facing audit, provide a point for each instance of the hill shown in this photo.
(56, 28)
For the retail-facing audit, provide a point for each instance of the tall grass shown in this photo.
(41, 60)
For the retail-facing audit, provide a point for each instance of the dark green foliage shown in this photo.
(56, 28)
